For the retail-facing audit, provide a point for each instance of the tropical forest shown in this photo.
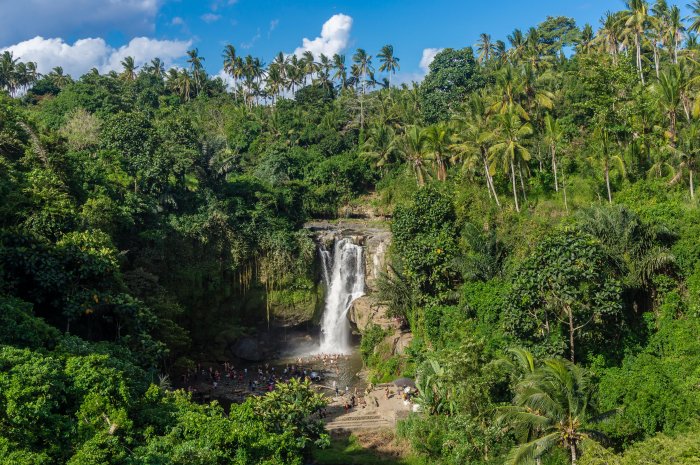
(307, 259)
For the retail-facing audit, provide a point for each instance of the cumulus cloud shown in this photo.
(85, 54)
(210, 17)
(428, 57)
(334, 37)
(55, 18)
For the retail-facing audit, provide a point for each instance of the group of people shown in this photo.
(256, 379)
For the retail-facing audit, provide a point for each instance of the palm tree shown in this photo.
(8, 71)
(689, 153)
(484, 48)
(341, 71)
(157, 67)
(555, 402)
(381, 144)
(610, 33)
(59, 79)
(668, 96)
(363, 63)
(508, 150)
(129, 71)
(553, 136)
(390, 63)
(586, 40)
(196, 67)
(636, 20)
(230, 61)
(676, 31)
(517, 45)
(437, 143)
(474, 138)
(309, 64)
(602, 140)
(412, 147)
(694, 8)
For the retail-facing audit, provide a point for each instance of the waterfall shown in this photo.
(344, 274)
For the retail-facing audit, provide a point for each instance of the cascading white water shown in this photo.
(344, 273)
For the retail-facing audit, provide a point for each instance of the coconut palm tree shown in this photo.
(473, 138)
(694, 16)
(363, 67)
(586, 39)
(517, 46)
(667, 91)
(129, 69)
(659, 22)
(636, 20)
(196, 68)
(309, 65)
(381, 145)
(508, 150)
(601, 139)
(554, 402)
(230, 62)
(553, 136)
(59, 79)
(484, 47)
(157, 68)
(389, 62)
(437, 145)
(676, 31)
(412, 148)
(610, 34)
(689, 153)
(341, 71)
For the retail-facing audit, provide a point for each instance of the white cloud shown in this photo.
(177, 21)
(334, 37)
(210, 17)
(428, 57)
(273, 24)
(56, 18)
(251, 42)
(84, 54)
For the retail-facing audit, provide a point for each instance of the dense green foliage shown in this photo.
(545, 253)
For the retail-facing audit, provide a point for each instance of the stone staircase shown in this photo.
(356, 422)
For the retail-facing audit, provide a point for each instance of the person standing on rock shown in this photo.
(335, 388)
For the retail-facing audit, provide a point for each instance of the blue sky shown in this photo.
(81, 34)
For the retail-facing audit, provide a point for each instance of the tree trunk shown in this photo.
(607, 180)
(522, 183)
(656, 60)
(571, 332)
(563, 189)
(489, 182)
(554, 168)
(637, 41)
(574, 458)
(515, 189)
(692, 188)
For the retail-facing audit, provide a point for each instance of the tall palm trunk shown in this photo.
(554, 167)
(638, 44)
(522, 183)
(692, 188)
(515, 189)
(489, 181)
(656, 59)
(572, 329)
(607, 180)
(574, 458)
(563, 189)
